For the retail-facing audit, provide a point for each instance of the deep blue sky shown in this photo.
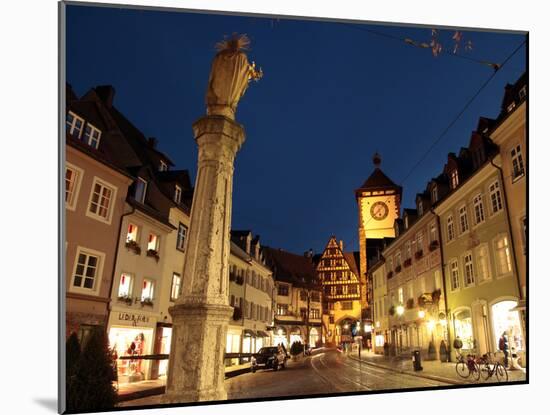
(331, 96)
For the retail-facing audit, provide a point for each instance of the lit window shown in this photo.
(148, 290)
(92, 136)
(483, 266)
(503, 257)
(463, 219)
(468, 270)
(495, 196)
(177, 195)
(141, 189)
(163, 166)
(511, 106)
(282, 309)
(517, 163)
(86, 271)
(420, 209)
(132, 234)
(72, 183)
(100, 203)
(433, 233)
(450, 228)
(398, 259)
(125, 286)
(152, 243)
(74, 124)
(454, 275)
(454, 179)
(420, 241)
(176, 287)
(182, 233)
(408, 250)
(400, 295)
(479, 213)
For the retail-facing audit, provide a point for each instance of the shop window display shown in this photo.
(130, 342)
(463, 328)
(505, 320)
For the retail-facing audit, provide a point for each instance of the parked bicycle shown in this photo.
(467, 366)
(490, 366)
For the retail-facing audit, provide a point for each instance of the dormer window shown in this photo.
(523, 92)
(92, 136)
(177, 195)
(420, 208)
(163, 166)
(511, 107)
(434, 194)
(141, 189)
(74, 124)
(454, 179)
(406, 222)
(518, 169)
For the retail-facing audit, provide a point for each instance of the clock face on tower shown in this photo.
(379, 211)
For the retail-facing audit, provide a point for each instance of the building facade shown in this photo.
(95, 191)
(338, 273)
(251, 292)
(298, 298)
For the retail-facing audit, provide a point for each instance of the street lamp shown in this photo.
(421, 314)
(400, 310)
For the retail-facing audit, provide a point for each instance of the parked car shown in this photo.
(269, 358)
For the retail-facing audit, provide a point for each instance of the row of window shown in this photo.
(479, 212)
(342, 289)
(476, 265)
(153, 241)
(251, 310)
(81, 130)
(126, 288)
(101, 197)
(412, 246)
(283, 290)
(252, 278)
(283, 310)
(336, 275)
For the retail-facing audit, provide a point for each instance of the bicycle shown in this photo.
(467, 367)
(490, 366)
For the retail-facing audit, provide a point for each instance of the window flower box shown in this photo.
(390, 274)
(418, 254)
(410, 303)
(434, 245)
(154, 254)
(147, 302)
(133, 246)
(398, 269)
(407, 262)
(125, 299)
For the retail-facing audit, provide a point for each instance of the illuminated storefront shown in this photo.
(506, 321)
(165, 334)
(463, 328)
(295, 335)
(279, 337)
(131, 341)
(313, 337)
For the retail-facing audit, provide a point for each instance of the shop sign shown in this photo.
(135, 319)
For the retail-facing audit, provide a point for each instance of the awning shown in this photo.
(262, 333)
(250, 333)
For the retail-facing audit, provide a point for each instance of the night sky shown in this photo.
(331, 96)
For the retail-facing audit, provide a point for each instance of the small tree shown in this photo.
(93, 388)
(296, 348)
(72, 348)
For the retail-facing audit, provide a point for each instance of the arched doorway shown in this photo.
(296, 335)
(506, 320)
(346, 329)
(279, 337)
(313, 337)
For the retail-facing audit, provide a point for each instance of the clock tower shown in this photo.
(378, 203)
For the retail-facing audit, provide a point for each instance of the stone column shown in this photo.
(202, 312)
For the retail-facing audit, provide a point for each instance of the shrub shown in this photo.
(92, 388)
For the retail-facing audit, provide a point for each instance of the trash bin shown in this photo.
(417, 360)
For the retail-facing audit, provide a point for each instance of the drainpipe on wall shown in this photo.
(512, 243)
(114, 266)
(444, 281)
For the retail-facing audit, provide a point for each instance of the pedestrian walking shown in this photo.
(504, 346)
